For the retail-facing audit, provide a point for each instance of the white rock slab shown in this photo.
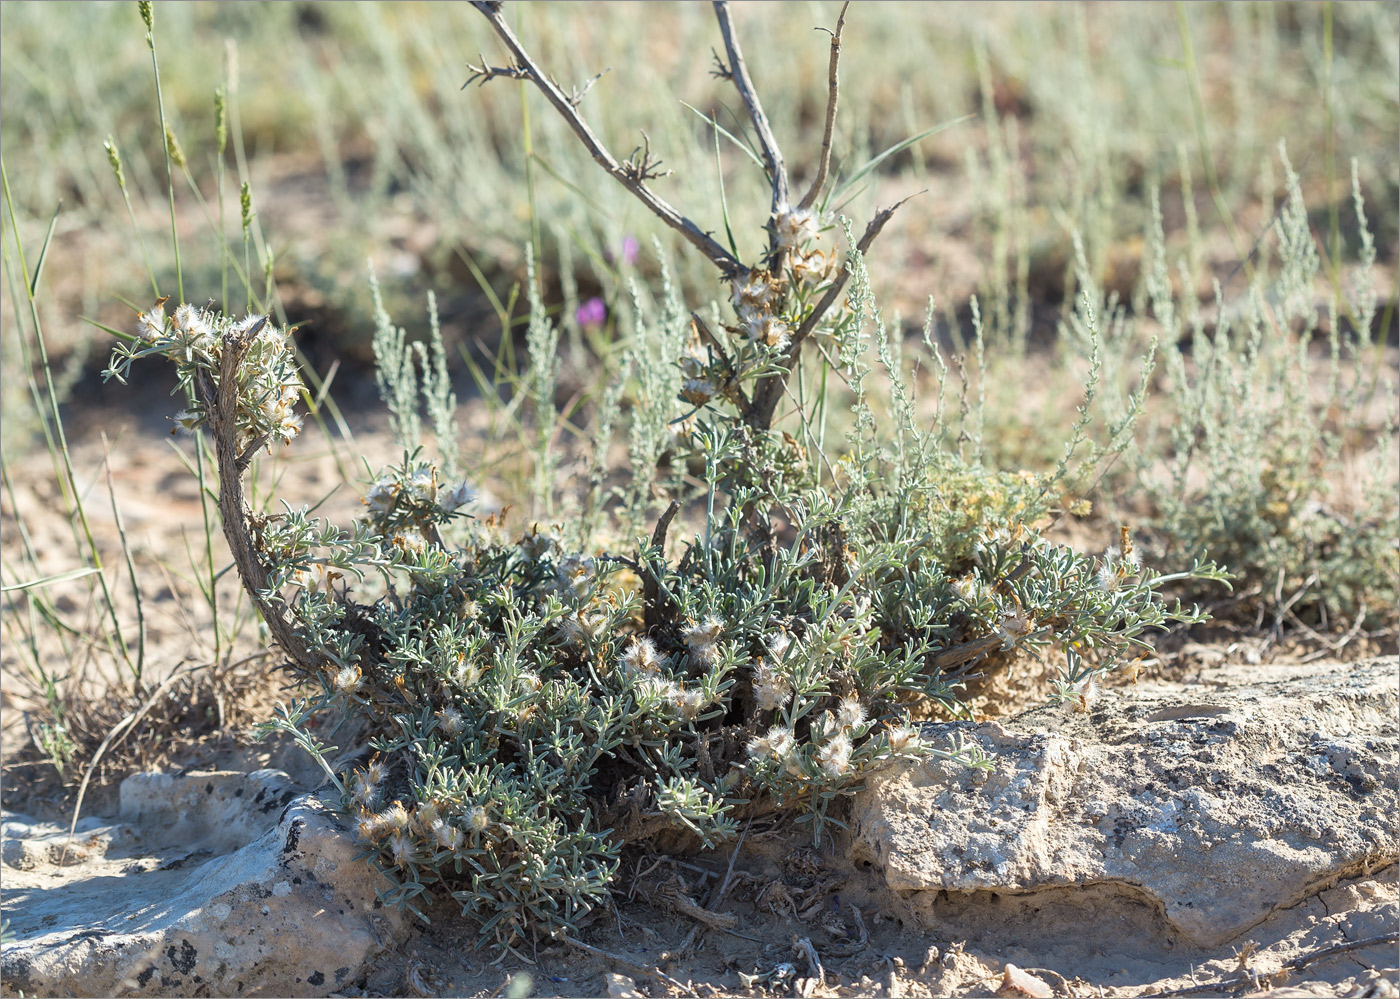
(1244, 797)
(214, 884)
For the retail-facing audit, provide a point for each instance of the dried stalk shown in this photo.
(738, 72)
(824, 163)
(220, 403)
(628, 176)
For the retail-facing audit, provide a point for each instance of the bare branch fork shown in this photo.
(629, 176)
(640, 167)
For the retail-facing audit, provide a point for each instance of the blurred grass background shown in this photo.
(357, 141)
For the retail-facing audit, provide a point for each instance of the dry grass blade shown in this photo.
(126, 724)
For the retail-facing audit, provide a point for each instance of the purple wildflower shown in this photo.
(591, 312)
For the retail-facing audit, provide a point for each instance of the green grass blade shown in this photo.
(876, 160)
(59, 577)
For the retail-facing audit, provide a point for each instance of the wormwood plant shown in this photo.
(537, 707)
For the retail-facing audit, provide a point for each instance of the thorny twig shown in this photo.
(721, 71)
(641, 165)
(698, 238)
(483, 74)
(577, 94)
(824, 163)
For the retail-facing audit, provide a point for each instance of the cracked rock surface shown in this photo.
(210, 884)
(1195, 818)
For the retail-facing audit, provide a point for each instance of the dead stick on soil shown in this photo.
(1297, 964)
(631, 965)
(724, 885)
(814, 963)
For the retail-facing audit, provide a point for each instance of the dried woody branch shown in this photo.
(634, 172)
(220, 403)
(631, 174)
(738, 72)
(824, 163)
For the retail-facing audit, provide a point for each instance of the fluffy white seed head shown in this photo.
(850, 713)
(450, 721)
(401, 849)
(640, 657)
(689, 703)
(447, 836)
(903, 738)
(451, 498)
(835, 756)
(346, 680)
(795, 226)
(395, 817)
(770, 689)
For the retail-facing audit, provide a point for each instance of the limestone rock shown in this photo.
(216, 884)
(1266, 786)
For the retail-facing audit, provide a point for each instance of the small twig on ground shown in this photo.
(803, 945)
(1297, 964)
(729, 874)
(629, 964)
(675, 897)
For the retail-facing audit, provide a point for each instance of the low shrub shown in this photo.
(537, 705)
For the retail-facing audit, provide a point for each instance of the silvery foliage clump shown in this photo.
(538, 706)
(1275, 472)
